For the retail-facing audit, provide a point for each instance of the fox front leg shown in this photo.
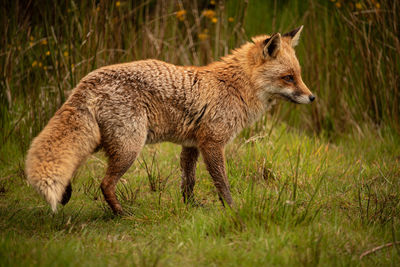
(213, 155)
(189, 156)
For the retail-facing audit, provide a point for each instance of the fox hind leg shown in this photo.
(122, 151)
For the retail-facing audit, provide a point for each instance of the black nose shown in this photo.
(312, 98)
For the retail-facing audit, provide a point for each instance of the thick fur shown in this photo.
(123, 107)
(69, 137)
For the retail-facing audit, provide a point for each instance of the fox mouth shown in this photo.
(297, 98)
(288, 98)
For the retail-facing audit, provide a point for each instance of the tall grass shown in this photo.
(350, 53)
(352, 61)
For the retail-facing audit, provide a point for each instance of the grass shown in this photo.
(299, 201)
(349, 53)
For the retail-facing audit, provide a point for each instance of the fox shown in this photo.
(120, 108)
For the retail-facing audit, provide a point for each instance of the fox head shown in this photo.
(276, 71)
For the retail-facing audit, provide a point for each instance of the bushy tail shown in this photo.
(69, 137)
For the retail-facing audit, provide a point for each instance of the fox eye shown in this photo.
(288, 78)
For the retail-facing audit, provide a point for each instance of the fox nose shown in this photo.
(312, 98)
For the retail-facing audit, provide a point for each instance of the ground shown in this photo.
(300, 200)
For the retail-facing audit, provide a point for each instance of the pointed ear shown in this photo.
(272, 45)
(294, 35)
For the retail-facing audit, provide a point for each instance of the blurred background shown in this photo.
(349, 52)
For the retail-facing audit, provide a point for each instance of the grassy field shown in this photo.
(299, 200)
(313, 185)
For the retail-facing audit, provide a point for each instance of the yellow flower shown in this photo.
(338, 4)
(34, 63)
(208, 13)
(214, 20)
(65, 53)
(44, 42)
(212, 2)
(98, 8)
(48, 53)
(117, 4)
(180, 15)
(30, 43)
(31, 38)
(377, 5)
(358, 6)
(230, 19)
(72, 66)
(202, 36)
(40, 64)
(45, 67)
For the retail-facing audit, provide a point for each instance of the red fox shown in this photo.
(122, 107)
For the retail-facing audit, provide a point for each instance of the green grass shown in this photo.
(299, 200)
(350, 56)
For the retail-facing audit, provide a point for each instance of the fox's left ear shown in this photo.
(272, 45)
(294, 35)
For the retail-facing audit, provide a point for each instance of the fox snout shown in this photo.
(304, 99)
(299, 92)
(298, 96)
(301, 97)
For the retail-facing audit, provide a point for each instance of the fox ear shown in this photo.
(294, 35)
(272, 45)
